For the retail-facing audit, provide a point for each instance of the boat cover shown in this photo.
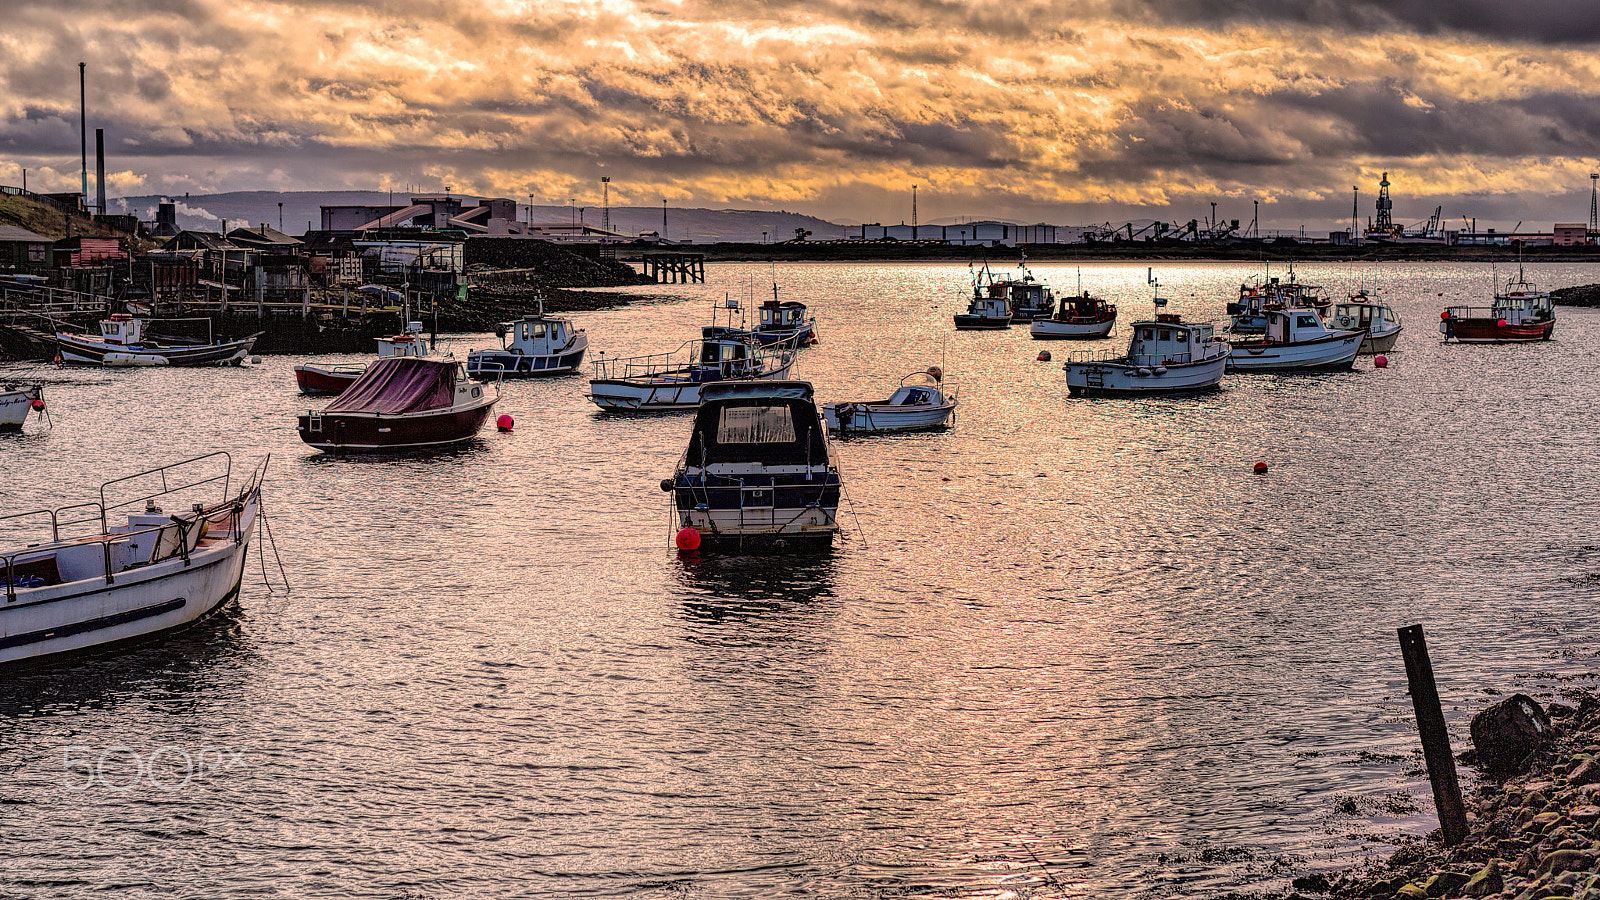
(400, 384)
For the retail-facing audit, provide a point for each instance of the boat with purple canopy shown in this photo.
(401, 403)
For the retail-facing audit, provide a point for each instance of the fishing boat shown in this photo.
(532, 346)
(1165, 355)
(785, 322)
(123, 342)
(664, 382)
(1249, 314)
(758, 471)
(922, 401)
(401, 403)
(990, 306)
(1363, 312)
(176, 556)
(1030, 298)
(1296, 340)
(1521, 313)
(1081, 318)
(16, 401)
(334, 379)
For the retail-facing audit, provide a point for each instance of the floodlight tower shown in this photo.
(1594, 206)
(605, 217)
(1385, 221)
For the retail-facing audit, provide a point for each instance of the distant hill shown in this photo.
(208, 212)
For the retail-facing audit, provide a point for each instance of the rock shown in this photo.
(1567, 861)
(1506, 734)
(1586, 773)
(1315, 883)
(1410, 889)
(1445, 884)
(1585, 813)
(1488, 880)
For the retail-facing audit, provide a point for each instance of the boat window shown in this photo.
(1166, 335)
(1305, 321)
(1388, 315)
(1148, 334)
(755, 425)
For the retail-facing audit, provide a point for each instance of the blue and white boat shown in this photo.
(532, 346)
(785, 322)
(758, 471)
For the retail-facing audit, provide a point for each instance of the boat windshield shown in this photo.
(755, 425)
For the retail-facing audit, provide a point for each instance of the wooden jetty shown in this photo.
(675, 268)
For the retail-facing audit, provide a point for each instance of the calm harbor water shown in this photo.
(1068, 648)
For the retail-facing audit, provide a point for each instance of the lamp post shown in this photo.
(530, 210)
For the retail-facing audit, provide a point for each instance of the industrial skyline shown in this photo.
(1110, 111)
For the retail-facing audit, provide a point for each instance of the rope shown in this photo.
(261, 549)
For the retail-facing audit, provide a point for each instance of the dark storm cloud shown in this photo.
(1540, 21)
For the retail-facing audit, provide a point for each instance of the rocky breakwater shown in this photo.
(509, 277)
(1536, 829)
(1579, 295)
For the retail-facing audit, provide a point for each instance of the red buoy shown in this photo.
(505, 422)
(1381, 361)
(1501, 323)
(1260, 467)
(38, 403)
(688, 538)
(1445, 314)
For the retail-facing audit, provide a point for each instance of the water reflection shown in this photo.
(724, 590)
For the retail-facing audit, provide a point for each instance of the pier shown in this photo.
(675, 268)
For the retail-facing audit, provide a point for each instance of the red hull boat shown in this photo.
(401, 403)
(1521, 314)
(326, 379)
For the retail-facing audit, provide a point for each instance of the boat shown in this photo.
(921, 401)
(1030, 298)
(1082, 318)
(1362, 312)
(1165, 355)
(1296, 340)
(123, 342)
(16, 401)
(758, 471)
(990, 307)
(532, 346)
(673, 381)
(785, 322)
(176, 556)
(1521, 313)
(401, 403)
(317, 379)
(1255, 296)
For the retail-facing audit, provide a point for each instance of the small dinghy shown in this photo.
(922, 401)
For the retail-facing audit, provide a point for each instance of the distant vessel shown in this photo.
(401, 403)
(317, 379)
(785, 322)
(1082, 318)
(1255, 296)
(673, 381)
(758, 471)
(1520, 314)
(122, 342)
(990, 307)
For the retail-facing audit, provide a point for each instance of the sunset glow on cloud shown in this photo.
(1053, 111)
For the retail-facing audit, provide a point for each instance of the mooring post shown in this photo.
(1435, 739)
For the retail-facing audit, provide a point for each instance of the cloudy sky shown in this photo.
(1032, 110)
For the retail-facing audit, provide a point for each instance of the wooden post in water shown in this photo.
(1435, 739)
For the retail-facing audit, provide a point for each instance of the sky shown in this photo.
(1025, 110)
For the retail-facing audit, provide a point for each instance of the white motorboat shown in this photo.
(921, 401)
(1255, 297)
(533, 346)
(123, 342)
(176, 560)
(1364, 313)
(664, 382)
(758, 471)
(1082, 318)
(16, 401)
(1165, 356)
(1296, 340)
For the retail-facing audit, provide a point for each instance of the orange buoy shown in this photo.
(1381, 361)
(505, 422)
(688, 538)
(1260, 467)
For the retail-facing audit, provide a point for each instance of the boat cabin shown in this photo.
(409, 343)
(1084, 309)
(782, 316)
(1294, 326)
(722, 355)
(536, 335)
(1361, 314)
(1168, 340)
(122, 329)
(1522, 301)
(1031, 294)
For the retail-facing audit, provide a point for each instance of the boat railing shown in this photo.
(1474, 312)
(167, 487)
(622, 367)
(1092, 356)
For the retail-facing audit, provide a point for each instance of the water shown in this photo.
(1069, 648)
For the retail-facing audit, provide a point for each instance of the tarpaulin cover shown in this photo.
(400, 384)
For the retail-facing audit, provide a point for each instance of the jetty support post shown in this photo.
(1435, 738)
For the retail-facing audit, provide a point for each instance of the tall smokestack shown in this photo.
(83, 131)
(100, 169)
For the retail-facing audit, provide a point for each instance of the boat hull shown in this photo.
(661, 394)
(78, 351)
(1333, 353)
(804, 336)
(871, 418)
(1052, 330)
(356, 432)
(15, 406)
(1379, 343)
(981, 323)
(1112, 378)
(800, 516)
(50, 623)
(326, 379)
(488, 365)
(1490, 331)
